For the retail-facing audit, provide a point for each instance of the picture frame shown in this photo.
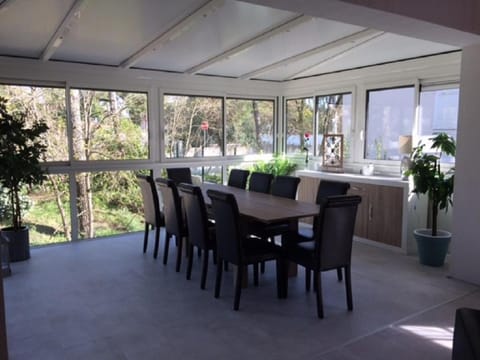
(333, 152)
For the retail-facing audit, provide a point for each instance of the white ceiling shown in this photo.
(218, 37)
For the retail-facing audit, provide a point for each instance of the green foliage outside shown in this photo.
(277, 166)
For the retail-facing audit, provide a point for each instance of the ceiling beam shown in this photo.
(272, 31)
(63, 29)
(175, 31)
(367, 33)
(336, 56)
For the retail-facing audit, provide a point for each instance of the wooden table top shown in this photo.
(264, 207)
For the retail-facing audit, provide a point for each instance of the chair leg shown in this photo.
(145, 238)
(189, 261)
(238, 287)
(167, 246)
(255, 274)
(204, 269)
(218, 278)
(317, 279)
(339, 274)
(308, 279)
(157, 242)
(280, 278)
(348, 287)
(179, 254)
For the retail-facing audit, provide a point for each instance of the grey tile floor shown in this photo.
(105, 299)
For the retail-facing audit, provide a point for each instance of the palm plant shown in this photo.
(428, 177)
(21, 149)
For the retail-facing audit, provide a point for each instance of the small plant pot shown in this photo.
(432, 250)
(19, 243)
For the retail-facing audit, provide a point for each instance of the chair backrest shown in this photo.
(238, 178)
(228, 227)
(180, 175)
(285, 186)
(172, 207)
(196, 214)
(151, 204)
(331, 188)
(260, 182)
(333, 230)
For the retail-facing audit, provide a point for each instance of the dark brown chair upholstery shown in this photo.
(153, 217)
(180, 175)
(260, 182)
(201, 232)
(466, 336)
(235, 246)
(238, 178)
(331, 247)
(173, 213)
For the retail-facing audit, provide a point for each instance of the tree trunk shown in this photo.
(61, 210)
(84, 196)
(256, 119)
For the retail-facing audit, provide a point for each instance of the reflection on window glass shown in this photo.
(390, 113)
(334, 116)
(46, 104)
(109, 125)
(438, 113)
(108, 203)
(300, 120)
(249, 126)
(193, 126)
(212, 174)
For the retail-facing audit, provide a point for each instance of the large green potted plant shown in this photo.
(430, 179)
(21, 149)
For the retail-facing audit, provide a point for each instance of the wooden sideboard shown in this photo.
(382, 214)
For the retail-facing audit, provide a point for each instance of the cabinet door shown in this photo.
(361, 222)
(385, 214)
(307, 191)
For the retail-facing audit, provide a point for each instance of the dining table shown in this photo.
(266, 209)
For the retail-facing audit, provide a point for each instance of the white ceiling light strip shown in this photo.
(367, 33)
(336, 56)
(68, 21)
(276, 29)
(175, 31)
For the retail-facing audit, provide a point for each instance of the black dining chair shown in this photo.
(236, 247)
(180, 175)
(283, 186)
(174, 220)
(152, 215)
(331, 246)
(238, 178)
(201, 230)
(260, 182)
(325, 189)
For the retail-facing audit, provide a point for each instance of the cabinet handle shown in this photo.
(370, 212)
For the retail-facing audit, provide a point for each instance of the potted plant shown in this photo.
(21, 149)
(428, 178)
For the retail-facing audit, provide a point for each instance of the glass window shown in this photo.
(390, 113)
(249, 126)
(300, 120)
(438, 112)
(109, 125)
(108, 203)
(334, 116)
(46, 104)
(193, 126)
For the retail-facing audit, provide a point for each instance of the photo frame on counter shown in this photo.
(333, 152)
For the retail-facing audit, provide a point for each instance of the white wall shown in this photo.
(465, 247)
